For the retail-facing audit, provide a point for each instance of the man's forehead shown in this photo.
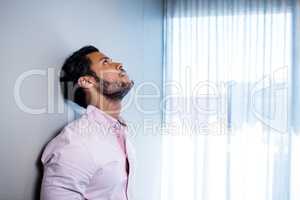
(96, 56)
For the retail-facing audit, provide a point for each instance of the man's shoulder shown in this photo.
(69, 135)
(81, 132)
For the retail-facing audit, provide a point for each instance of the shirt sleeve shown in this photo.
(67, 173)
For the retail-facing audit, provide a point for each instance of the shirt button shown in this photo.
(116, 126)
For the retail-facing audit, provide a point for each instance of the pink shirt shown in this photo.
(89, 160)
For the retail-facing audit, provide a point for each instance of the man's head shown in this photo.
(91, 72)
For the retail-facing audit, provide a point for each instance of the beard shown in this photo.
(115, 90)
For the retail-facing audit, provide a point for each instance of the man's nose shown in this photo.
(120, 67)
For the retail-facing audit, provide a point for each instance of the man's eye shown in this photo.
(105, 61)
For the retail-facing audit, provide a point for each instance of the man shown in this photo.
(91, 158)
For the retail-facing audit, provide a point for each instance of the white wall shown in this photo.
(39, 35)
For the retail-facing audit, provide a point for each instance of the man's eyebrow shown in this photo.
(104, 58)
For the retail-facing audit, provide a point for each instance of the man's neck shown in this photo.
(111, 107)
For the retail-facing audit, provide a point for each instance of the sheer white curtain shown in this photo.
(231, 89)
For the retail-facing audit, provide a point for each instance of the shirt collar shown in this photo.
(103, 118)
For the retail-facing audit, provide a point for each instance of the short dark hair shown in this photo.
(75, 66)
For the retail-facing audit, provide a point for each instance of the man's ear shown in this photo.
(85, 82)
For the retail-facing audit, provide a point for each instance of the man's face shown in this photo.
(113, 81)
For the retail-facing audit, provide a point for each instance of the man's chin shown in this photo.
(130, 84)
